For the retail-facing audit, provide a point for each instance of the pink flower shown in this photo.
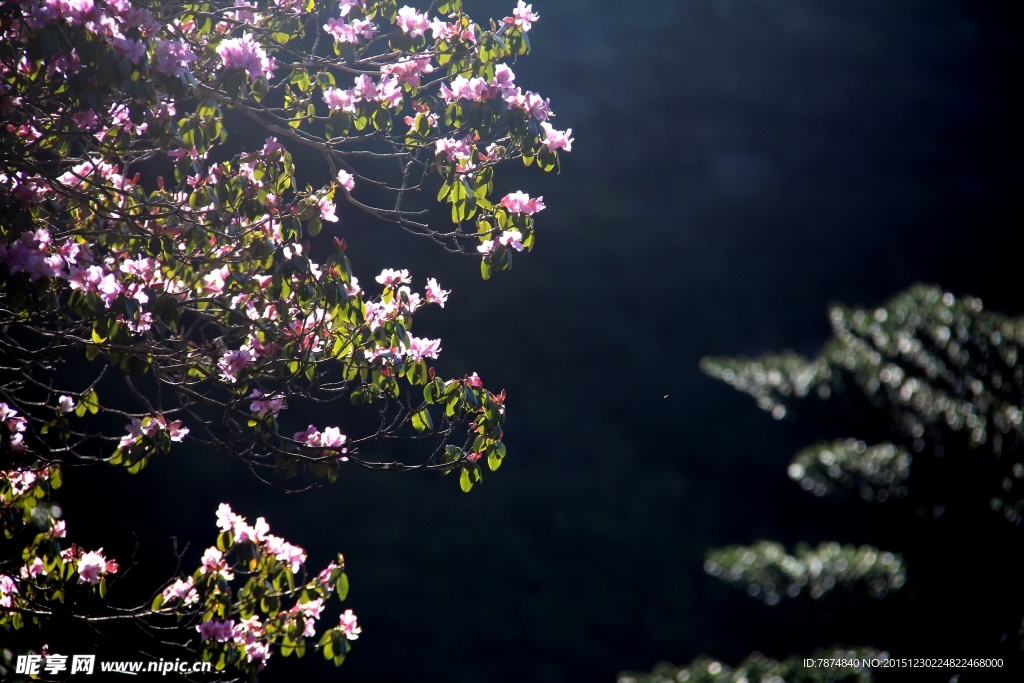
(266, 405)
(349, 32)
(92, 567)
(337, 99)
(332, 438)
(511, 238)
(504, 79)
(393, 278)
(348, 625)
(346, 180)
(390, 92)
(133, 49)
(474, 381)
(246, 54)
(271, 145)
(173, 57)
(453, 150)
(412, 22)
(292, 555)
(86, 120)
(409, 69)
(442, 30)
(233, 362)
(327, 210)
(181, 590)
(434, 294)
(8, 589)
(215, 280)
(214, 629)
(311, 609)
(522, 16)
(423, 348)
(324, 577)
(66, 403)
(36, 568)
(58, 530)
(213, 562)
(556, 139)
(520, 202)
(310, 437)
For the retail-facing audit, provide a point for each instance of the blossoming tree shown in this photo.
(193, 295)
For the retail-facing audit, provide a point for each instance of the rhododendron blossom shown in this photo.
(393, 278)
(247, 55)
(434, 294)
(349, 32)
(412, 22)
(92, 567)
(349, 626)
(556, 139)
(520, 202)
(522, 16)
(346, 180)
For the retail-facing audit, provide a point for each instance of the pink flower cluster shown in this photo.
(455, 150)
(412, 22)
(266, 405)
(522, 16)
(443, 31)
(510, 239)
(93, 566)
(480, 89)
(8, 589)
(173, 57)
(310, 612)
(556, 139)
(388, 91)
(291, 555)
(346, 180)
(409, 69)
(330, 437)
(419, 349)
(348, 625)
(181, 591)
(246, 54)
(349, 32)
(520, 202)
(16, 426)
(149, 427)
(32, 253)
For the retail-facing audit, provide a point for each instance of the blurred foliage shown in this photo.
(942, 367)
(770, 573)
(760, 669)
(944, 375)
(875, 472)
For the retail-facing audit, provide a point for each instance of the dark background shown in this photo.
(737, 167)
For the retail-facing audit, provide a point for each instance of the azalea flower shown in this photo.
(348, 625)
(556, 139)
(392, 278)
(520, 202)
(92, 567)
(412, 22)
(346, 180)
(434, 294)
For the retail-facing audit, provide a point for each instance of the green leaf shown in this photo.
(421, 420)
(465, 483)
(314, 226)
(342, 586)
